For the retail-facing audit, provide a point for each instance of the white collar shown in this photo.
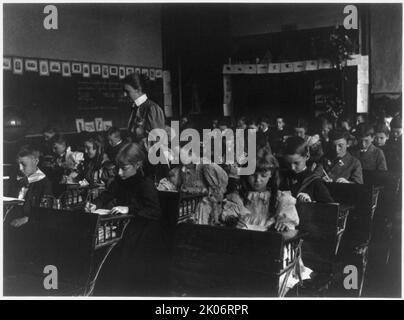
(36, 176)
(141, 99)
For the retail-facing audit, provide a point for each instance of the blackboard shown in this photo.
(58, 101)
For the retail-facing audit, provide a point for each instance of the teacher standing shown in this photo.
(146, 115)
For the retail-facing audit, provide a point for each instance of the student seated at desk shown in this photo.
(199, 178)
(115, 143)
(395, 145)
(134, 266)
(67, 163)
(339, 165)
(258, 202)
(370, 156)
(382, 134)
(306, 185)
(33, 186)
(301, 129)
(46, 148)
(94, 158)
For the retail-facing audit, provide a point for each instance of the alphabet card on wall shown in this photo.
(274, 68)
(43, 68)
(105, 72)
(76, 68)
(31, 65)
(152, 74)
(324, 64)
(299, 66)
(145, 72)
(113, 70)
(107, 124)
(95, 69)
(238, 68)
(99, 124)
(311, 65)
(121, 72)
(89, 126)
(17, 66)
(66, 72)
(80, 125)
(86, 70)
(286, 67)
(130, 70)
(262, 68)
(159, 73)
(250, 69)
(55, 67)
(7, 64)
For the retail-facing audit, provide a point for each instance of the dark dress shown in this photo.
(148, 115)
(306, 182)
(137, 264)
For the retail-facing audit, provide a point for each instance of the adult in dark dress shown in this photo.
(137, 265)
(145, 116)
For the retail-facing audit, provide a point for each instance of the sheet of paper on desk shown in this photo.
(9, 199)
(102, 212)
(256, 227)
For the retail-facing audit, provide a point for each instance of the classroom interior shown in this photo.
(223, 66)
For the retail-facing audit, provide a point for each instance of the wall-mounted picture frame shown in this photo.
(105, 72)
(137, 70)
(122, 72)
(66, 70)
(95, 69)
(43, 68)
(113, 71)
(130, 70)
(18, 66)
(31, 65)
(55, 67)
(86, 70)
(76, 68)
(7, 64)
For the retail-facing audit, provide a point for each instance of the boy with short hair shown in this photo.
(340, 165)
(33, 186)
(301, 128)
(371, 157)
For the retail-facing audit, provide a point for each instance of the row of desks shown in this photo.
(322, 227)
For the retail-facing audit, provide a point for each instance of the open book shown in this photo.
(102, 212)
